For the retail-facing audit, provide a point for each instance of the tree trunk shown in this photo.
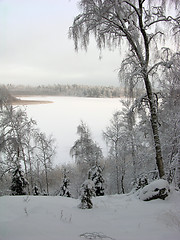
(25, 168)
(31, 173)
(154, 125)
(117, 179)
(133, 154)
(117, 168)
(47, 183)
(178, 170)
(122, 184)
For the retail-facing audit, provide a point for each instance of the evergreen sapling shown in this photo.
(65, 187)
(95, 174)
(87, 192)
(18, 182)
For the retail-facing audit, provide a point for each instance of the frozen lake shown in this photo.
(62, 117)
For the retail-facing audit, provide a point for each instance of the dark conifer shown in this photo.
(18, 182)
(65, 186)
(95, 174)
(87, 192)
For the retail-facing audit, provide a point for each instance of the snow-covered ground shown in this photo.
(119, 217)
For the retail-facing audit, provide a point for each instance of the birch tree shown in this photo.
(16, 132)
(139, 24)
(45, 153)
(170, 121)
(113, 137)
(85, 150)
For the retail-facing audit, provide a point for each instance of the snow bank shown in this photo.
(112, 217)
(157, 189)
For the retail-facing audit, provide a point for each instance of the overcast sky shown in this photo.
(35, 49)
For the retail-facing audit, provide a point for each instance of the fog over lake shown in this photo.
(62, 117)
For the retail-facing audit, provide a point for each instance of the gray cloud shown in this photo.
(35, 48)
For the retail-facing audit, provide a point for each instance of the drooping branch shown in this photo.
(152, 36)
(161, 63)
(134, 21)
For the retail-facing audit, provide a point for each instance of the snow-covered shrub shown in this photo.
(35, 190)
(141, 182)
(65, 187)
(95, 174)
(18, 182)
(156, 189)
(87, 192)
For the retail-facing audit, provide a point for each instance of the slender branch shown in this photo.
(130, 4)
(153, 35)
(157, 21)
(142, 29)
(162, 63)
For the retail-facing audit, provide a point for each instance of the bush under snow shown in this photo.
(157, 189)
(87, 192)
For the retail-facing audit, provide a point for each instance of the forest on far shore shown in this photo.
(67, 90)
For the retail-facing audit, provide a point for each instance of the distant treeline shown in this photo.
(67, 90)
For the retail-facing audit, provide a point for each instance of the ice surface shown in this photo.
(62, 117)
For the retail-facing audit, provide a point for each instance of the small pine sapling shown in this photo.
(95, 174)
(18, 181)
(87, 192)
(142, 181)
(36, 190)
(65, 187)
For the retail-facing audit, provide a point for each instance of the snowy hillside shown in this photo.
(112, 217)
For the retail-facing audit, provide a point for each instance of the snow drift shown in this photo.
(115, 217)
(157, 189)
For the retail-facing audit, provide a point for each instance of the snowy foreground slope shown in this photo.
(119, 217)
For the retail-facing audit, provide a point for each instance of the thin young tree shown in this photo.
(64, 191)
(118, 142)
(170, 120)
(112, 135)
(85, 150)
(140, 23)
(45, 152)
(87, 192)
(95, 174)
(18, 181)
